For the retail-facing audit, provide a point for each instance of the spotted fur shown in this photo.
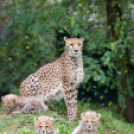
(19, 104)
(59, 79)
(44, 125)
(89, 123)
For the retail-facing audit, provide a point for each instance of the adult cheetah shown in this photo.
(59, 79)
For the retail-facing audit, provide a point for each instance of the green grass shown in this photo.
(110, 122)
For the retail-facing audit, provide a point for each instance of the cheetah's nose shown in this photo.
(76, 50)
(89, 126)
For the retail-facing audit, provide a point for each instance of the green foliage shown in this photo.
(30, 40)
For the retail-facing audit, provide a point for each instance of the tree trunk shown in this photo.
(129, 101)
(129, 111)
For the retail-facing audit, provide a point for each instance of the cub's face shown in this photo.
(43, 124)
(74, 46)
(9, 101)
(90, 120)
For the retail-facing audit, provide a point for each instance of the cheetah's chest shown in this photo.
(76, 76)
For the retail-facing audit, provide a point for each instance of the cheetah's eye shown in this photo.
(71, 44)
(79, 44)
(86, 121)
(40, 126)
(92, 121)
(46, 126)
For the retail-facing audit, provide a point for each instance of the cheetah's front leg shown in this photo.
(70, 96)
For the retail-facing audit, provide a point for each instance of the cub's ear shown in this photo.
(98, 116)
(82, 115)
(81, 39)
(35, 119)
(51, 119)
(13, 100)
(2, 98)
(65, 38)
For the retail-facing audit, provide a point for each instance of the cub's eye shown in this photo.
(79, 44)
(46, 126)
(92, 121)
(71, 44)
(40, 126)
(86, 121)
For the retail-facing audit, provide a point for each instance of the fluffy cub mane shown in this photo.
(88, 124)
(44, 125)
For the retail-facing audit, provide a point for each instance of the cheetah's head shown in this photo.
(90, 120)
(74, 46)
(43, 124)
(9, 101)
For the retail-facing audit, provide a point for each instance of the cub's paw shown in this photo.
(16, 112)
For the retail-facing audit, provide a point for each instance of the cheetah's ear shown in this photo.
(82, 115)
(98, 116)
(51, 119)
(35, 119)
(13, 100)
(2, 98)
(81, 39)
(65, 38)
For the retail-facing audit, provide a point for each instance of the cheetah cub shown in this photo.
(44, 125)
(20, 104)
(89, 123)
